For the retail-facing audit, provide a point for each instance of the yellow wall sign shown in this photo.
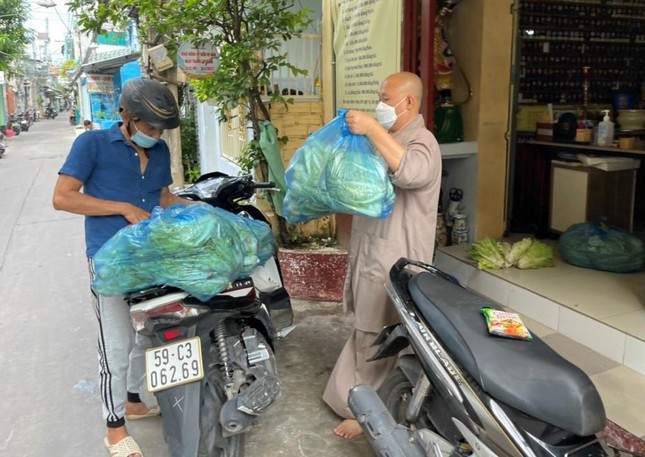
(197, 62)
(367, 44)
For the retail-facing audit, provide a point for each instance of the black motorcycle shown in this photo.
(14, 124)
(3, 146)
(212, 366)
(50, 113)
(464, 392)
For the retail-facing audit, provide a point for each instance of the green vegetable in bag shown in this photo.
(198, 248)
(604, 248)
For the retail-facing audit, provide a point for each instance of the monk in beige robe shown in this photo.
(414, 160)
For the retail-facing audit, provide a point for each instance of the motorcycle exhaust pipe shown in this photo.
(388, 439)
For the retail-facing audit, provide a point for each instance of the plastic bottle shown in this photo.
(605, 130)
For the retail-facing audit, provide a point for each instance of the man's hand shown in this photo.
(361, 123)
(134, 214)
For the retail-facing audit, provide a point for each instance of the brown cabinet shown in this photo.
(588, 194)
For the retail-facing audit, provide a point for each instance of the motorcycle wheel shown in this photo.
(212, 443)
(396, 393)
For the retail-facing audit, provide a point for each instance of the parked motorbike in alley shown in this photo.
(212, 366)
(24, 121)
(463, 392)
(3, 146)
(14, 123)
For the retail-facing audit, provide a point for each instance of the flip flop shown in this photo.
(152, 412)
(124, 448)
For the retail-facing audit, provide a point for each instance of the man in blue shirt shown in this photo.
(115, 177)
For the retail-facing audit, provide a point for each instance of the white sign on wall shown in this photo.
(197, 62)
(100, 84)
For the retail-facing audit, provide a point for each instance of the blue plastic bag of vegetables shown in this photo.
(600, 247)
(198, 248)
(335, 171)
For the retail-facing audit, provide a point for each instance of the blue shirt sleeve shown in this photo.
(81, 159)
(167, 178)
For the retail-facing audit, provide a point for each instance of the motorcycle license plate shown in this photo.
(174, 364)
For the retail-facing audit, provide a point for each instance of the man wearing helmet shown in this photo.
(115, 177)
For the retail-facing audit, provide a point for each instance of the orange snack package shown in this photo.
(509, 325)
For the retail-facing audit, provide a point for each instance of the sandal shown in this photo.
(152, 412)
(124, 448)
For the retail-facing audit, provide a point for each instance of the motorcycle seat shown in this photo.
(526, 375)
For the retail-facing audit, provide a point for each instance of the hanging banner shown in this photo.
(367, 44)
(197, 62)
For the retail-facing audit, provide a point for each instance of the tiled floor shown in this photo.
(595, 319)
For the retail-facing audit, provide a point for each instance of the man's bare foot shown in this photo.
(349, 429)
(114, 435)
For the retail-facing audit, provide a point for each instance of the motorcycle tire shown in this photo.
(212, 443)
(396, 393)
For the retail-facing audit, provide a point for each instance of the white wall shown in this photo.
(208, 133)
(208, 128)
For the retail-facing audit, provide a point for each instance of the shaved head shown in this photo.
(404, 84)
(404, 92)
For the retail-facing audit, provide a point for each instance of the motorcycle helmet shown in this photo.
(149, 101)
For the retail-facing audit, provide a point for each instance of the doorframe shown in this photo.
(417, 50)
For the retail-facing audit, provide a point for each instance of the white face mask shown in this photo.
(386, 114)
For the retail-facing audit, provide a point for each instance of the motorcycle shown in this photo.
(14, 124)
(211, 365)
(24, 122)
(50, 113)
(465, 393)
(3, 146)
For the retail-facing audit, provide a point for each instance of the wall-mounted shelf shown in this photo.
(458, 150)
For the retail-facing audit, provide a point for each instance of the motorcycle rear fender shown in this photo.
(392, 340)
(262, 322)
(180, 408)
(181, 430)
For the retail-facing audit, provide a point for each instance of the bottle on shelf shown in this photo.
(605, 130)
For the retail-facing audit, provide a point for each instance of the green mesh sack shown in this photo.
(600, 247)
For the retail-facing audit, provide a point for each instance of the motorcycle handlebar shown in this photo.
(264, 185)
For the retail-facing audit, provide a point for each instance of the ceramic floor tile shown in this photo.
(637, 278)
(584, 358)
(593, 334)
(635, 355)
(597, 295)
(632, 323)
(623, 393)
(453, 266)
(535, 327)
(492, 287)
(535, 306)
